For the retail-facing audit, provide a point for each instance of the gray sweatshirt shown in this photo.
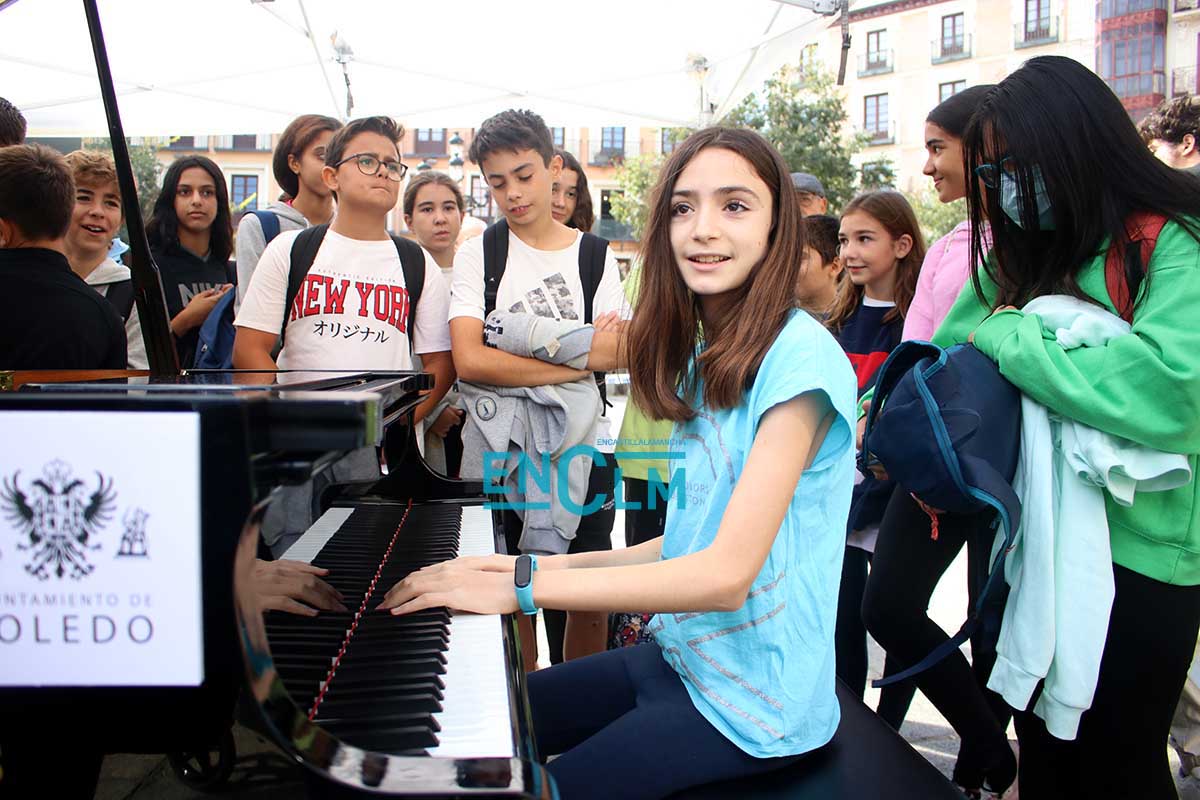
(105, 275)
(529, 422)
(251, 242)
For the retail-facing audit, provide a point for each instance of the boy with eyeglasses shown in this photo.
(353, 309)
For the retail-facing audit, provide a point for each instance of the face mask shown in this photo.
(1010, 200)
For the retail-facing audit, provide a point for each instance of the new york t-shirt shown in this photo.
(351, 311)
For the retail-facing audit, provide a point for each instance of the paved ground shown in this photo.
(262, 772)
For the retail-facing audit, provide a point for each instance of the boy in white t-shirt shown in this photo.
(515, 151)
(352, 310)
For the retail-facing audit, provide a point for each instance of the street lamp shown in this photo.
(698, 67)
(456, 160)
(424, 166)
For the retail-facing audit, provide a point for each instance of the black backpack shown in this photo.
(304, 251)
(120, 295)
(592, 252)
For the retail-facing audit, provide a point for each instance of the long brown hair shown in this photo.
(892, 211)
(584, 217)
(666, 333)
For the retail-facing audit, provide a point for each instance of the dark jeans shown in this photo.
(850, 642)
(644, 523)
(626, 727)
(906, 568)
(1120, 752)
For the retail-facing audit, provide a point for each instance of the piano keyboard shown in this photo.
(427, 683)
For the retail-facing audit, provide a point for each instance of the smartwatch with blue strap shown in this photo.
(523, 581)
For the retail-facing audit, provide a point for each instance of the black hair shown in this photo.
(821, 234)
(953, 113)
(1172, 120)
(1056, 115)
(37, 191)
(12, 124)
(296, 138)
(584, 216)
(512, 130)
(162, 230)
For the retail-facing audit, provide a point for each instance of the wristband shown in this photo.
(523, 582)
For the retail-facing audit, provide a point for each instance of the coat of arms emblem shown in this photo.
(59, 518)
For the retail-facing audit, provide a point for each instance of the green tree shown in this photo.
(877, 174)
(936, 218)
(636, 178)
(804, 116)
(146, 170)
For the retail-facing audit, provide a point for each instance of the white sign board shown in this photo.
(100, 549)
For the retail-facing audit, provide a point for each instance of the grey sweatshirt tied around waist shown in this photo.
(537, 421)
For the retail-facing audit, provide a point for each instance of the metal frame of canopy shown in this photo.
(273, 62)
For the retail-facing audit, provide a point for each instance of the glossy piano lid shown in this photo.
(346, 766)
(241, 380)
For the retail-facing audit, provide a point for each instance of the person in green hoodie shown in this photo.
(1061, 173)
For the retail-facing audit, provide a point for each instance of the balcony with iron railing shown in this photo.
(1182, 6)
(883, 133)
(1035, 33)
(876, 62)
(616, 151)
(1183, 81)
(951, 48)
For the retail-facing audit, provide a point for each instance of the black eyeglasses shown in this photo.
(369, 165)
(990, 173)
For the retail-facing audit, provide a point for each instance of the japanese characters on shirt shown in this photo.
(352, 309)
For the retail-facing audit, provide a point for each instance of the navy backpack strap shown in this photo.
(120, 296)
(304, 251)
(269, 223)
(495, 258)
(412, 262)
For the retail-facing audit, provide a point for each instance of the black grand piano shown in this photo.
(429, 705)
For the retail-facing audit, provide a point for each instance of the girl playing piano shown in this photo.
(740, 679)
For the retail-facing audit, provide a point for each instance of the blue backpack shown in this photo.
(946, 426)
(214, 349)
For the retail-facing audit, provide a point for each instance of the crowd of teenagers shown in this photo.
(752, 329)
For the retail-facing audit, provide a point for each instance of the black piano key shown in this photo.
(396, 702)
(394, 741)
(387, 685)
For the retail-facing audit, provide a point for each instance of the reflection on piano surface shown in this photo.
(431, 704)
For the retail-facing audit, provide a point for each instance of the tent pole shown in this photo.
(147, 282)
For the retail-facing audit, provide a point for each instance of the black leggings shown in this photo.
(906, 568)
(850, 642)
(1121, 752)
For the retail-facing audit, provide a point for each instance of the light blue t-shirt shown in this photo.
(764, 675)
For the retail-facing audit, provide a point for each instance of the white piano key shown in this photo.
(312, 540)
(475, 720)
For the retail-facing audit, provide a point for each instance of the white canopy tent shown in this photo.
(250, 66)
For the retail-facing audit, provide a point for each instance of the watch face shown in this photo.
(524, 571)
